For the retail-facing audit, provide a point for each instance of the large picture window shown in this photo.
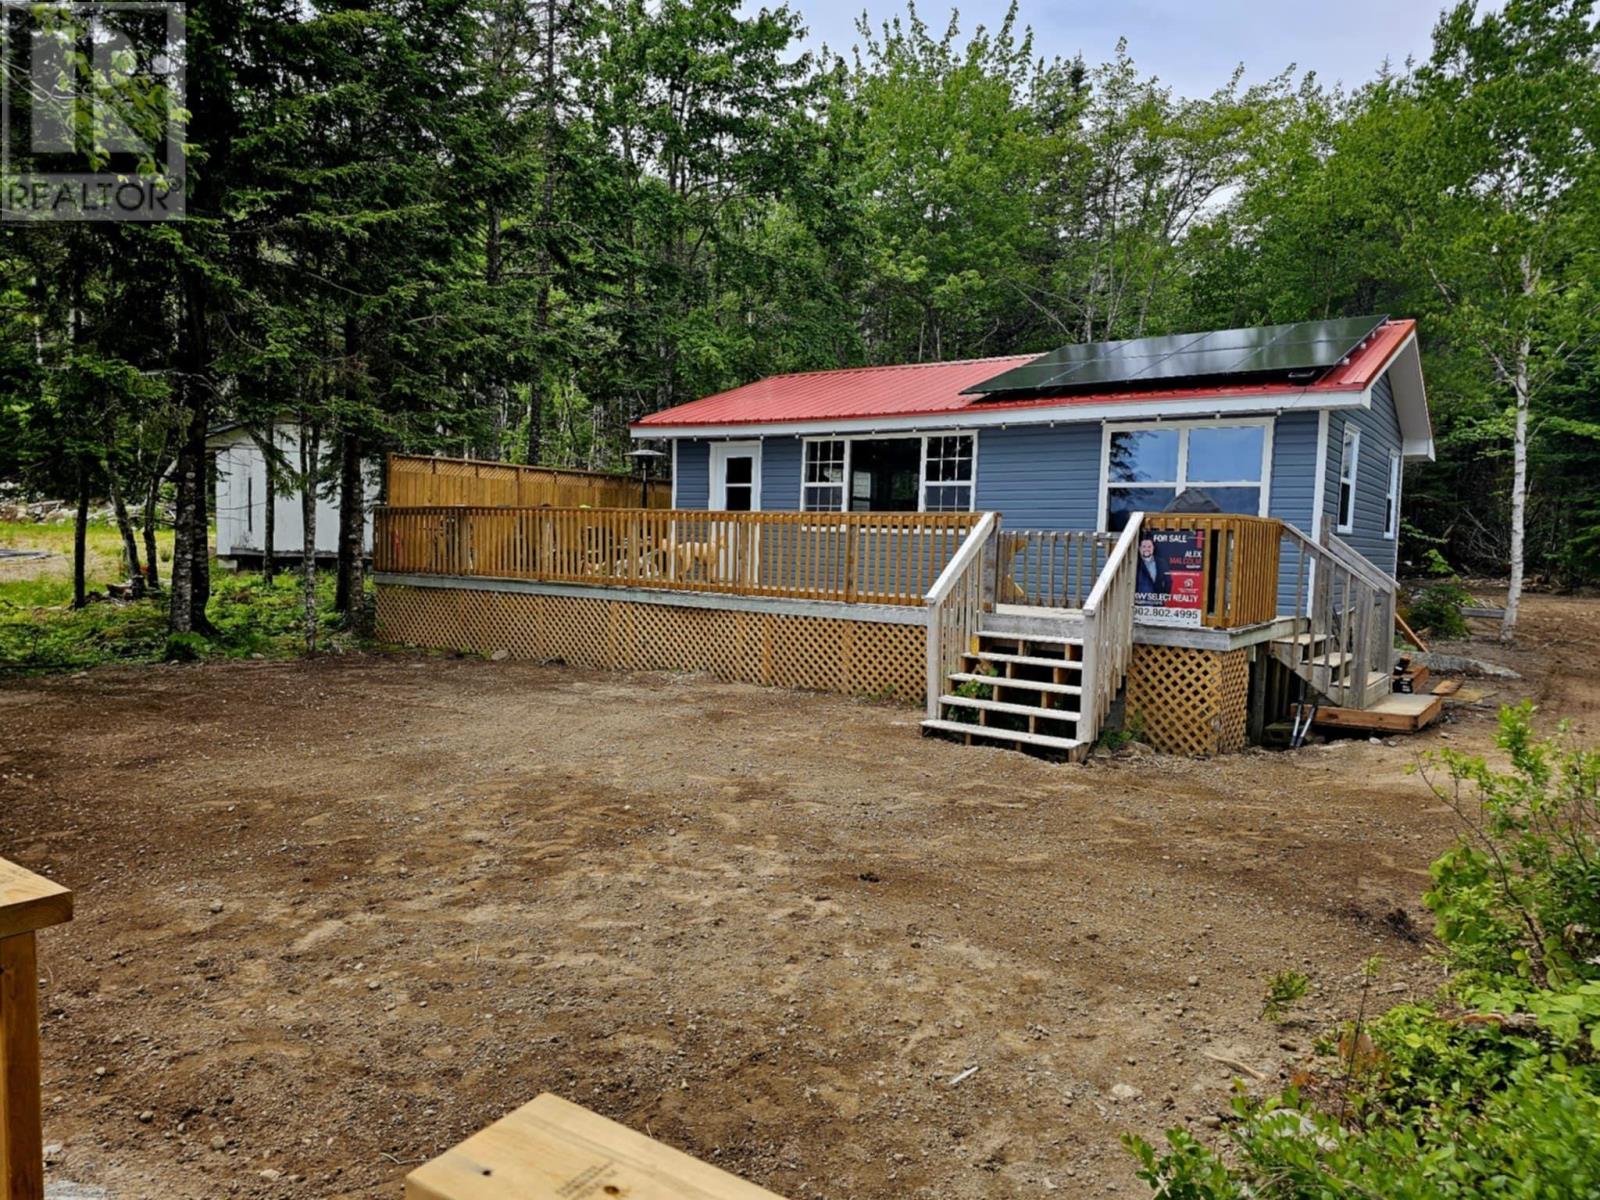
(922, 473)
(1148, 466)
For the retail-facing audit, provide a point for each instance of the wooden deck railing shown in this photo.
(956, 604)
(418, 480)
(1240, 584)
(1108, 631)
(1349, 607)
(869, 558)
(1050, 568)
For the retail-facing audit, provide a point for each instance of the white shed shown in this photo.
(242, 498)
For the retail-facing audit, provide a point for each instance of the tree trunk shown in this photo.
(80, 537)
(130, 546)
(152, 505)
(1519, 494)
(310, 438)
(191, 575)
(547, 202)
(349, 591)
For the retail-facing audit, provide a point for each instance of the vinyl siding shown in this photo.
(1293, 495)
(1039, 477)
(780, 474)
(1380, 436)
(693, 474)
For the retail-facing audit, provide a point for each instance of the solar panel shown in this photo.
(1264, 350)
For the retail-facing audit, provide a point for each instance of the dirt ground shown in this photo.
(333, 917)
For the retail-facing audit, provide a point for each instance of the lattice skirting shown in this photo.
(1190, 701)
(862, 658)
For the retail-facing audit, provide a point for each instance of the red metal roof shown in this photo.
(913, 389)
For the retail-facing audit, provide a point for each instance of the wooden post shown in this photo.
(551, 1149)
(28, 903)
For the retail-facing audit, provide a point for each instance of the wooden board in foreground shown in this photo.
(551, 1149)
(29, 901)
(1398, 713)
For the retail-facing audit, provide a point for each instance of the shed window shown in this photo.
(1349, 463)
(1147, 466)
(901, 474)
(1391, 504)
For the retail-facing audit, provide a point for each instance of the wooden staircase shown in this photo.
(1022, 690)
(1332, 673)
(1343, 647)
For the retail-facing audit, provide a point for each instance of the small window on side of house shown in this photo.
(1391, 504)
(1349, 462)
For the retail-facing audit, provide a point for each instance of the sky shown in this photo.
(1192, 45)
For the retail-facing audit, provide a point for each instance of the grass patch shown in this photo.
(40, 631)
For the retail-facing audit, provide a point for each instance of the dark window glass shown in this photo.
(1122, 503)
(740, 470)
(885, 475)
(949, 497)
(1243, 501)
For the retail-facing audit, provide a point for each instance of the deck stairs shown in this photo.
(1021, 690)
(1343, 648)
(1330, 672)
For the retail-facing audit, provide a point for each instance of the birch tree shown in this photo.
(1498, 134)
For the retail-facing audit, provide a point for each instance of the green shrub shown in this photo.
(1438, 610)
(1493, 1087)
(1284, 991)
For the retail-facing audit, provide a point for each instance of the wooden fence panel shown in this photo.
(417, 481)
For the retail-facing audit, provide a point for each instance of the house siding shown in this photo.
(1293, 493)
(780, 474)
(1380, 437)
(1041, 477)
(692, 474)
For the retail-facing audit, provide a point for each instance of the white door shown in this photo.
(736, 476)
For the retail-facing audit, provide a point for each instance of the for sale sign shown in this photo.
(1170, 577)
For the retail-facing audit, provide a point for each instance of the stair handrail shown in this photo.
(1338, 604)
(946, 606)
(1108, 631)
(971, 547)
(1352, 558)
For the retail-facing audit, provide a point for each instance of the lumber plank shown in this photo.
(552, 1149)
(21, 1128)
(29, 901)
(1397, 713)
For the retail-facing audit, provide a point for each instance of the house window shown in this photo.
(1349, 461)
(947, 474)
(249, 504)
(1148, 466)
(899, 474)
(1391, 504)
(824, 477)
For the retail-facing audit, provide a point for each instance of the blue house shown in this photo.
(1311, 423)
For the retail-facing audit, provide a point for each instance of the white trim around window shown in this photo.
(1391, 512)
(1349, 476)
(841, 486)
(1182, 481)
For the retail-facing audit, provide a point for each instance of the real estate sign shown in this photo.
(1170, 574)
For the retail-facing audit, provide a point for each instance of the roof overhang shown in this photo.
(991, 417)
(1411, 401)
